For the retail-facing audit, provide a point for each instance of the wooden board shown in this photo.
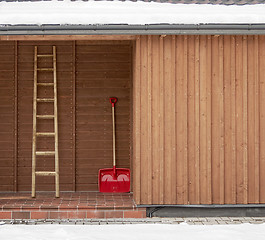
(219, 122)
(25, 99)
(100, 70)
(198, 122)
(7, 116)
(94, 86)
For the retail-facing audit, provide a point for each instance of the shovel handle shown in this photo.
(113, 100)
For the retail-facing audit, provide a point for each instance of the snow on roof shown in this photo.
(127, 12)
(221, 2)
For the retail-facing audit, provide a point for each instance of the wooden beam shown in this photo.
(257, 120)
(161, 119)
(144, 120)
(173, 121)
(205, 120)
(185, 121)
(191, 122)
(74, 118)
(197, 119)
(16, 118)
(261, 73)
(208, 95)
(221, 119)
(149, 117)
(239, 122)
(132, 58)
(227, 119)
(245, 121)
(65, 37)
(233, 119)
(155, 120)
(137, 122)
(168, 120)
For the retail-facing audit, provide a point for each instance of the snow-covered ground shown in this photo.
(181, 231)
(117, 12)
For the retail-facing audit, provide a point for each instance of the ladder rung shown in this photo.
(45, 69)
(45, 99)
(45, 153)
(45, 116)
(42, 173)
(48, 134)
(45, 55)
(45, 84)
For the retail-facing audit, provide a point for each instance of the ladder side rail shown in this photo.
(56, 123)
(33, 190)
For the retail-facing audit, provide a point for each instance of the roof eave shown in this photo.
(125, 29)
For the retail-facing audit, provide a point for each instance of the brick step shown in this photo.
(75, 214)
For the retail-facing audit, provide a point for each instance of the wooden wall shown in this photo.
(7, 119)
(65, 109)
(199, 120)
(88, 73)
(103, 70)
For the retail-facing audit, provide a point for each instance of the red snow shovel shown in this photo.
(114, 179)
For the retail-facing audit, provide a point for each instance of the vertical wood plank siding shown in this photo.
(199, 128)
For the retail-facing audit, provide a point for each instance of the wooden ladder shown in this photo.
(36, 117)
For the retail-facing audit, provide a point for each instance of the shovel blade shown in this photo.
(111, 180)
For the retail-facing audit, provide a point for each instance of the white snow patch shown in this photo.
(133, 232)
(116, 12)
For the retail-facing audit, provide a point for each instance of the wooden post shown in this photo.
(74, 117)
(16, 118)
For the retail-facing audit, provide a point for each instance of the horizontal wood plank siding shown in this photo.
(88, 73)
(103, 70)
(65, 110)
(207, 134)
(7, 115)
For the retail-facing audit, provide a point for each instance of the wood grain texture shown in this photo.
(102, 71)
(155, 121)
(198, 121)
(257, 121)
(192, 196)
(169, 119)
(262, 116)
(137, 122)
(15, 115)
(144, 120)
(8, 118)
(82, 109)
(161, 119)
(67, 37)
(218, 140)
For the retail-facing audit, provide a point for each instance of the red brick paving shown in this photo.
(5, 215)
(79, 205)
(134, 214)
(39, 215)
(95, 214)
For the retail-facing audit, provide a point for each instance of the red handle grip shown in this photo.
(113, 100)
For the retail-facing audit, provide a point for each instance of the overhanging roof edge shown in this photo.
(125, 29)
